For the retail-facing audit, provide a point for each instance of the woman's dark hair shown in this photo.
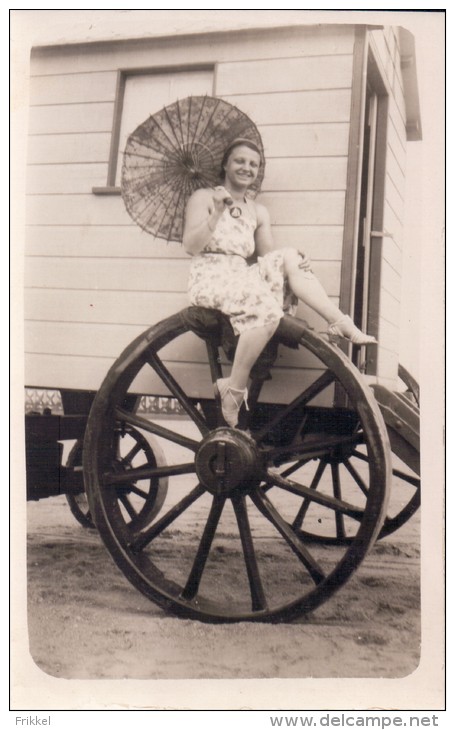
(238, 142)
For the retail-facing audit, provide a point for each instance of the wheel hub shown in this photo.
(228, 460)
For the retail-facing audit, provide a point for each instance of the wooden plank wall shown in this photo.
(94, 279)
(385, 44)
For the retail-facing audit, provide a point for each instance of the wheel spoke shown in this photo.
(131, 454)
(147, 472)
(168, 379)
(415, 481)
(258, 600)
(359, 455)
(406, 477)
(325, 500)
(139, 492)
(145, 538)
(290, 470)
(339, 519)
(298, 521)
(264, 505)
(194, 579)
(356, 476)
(128, 506)
(151, 427)
(294, 467)
(320, 384)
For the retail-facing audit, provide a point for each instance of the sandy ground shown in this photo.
(87, 621)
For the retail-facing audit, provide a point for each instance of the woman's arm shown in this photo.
(203, 211)
(263, 234)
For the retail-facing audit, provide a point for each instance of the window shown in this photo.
(142, 93)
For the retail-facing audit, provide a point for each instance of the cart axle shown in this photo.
(228, 460)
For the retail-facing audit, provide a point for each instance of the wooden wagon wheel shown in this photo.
(224, 547)
(413, 388)
(348, 468)
(345, 469)
(78, 503)
(139, 500)
(402, 416)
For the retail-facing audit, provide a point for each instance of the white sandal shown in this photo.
(345, 327)
(231, 400)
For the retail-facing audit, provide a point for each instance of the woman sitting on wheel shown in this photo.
(223, 228)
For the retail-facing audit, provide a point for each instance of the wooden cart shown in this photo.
(307, 476)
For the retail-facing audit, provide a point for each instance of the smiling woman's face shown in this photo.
(242, 166)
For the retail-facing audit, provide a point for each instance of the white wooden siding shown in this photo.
(72, 88)
(88, 371)
(308, 208)
(220, 48)
(385, 44)
(129, 242)
(52, 280)
(296, 208)
(101, 306)
(75, 118)
(393, 224)
(94, 279)
(326, 105)
(394, 197)
(76, 210)
(305, 140)
(320, 243)
(64, 179)
(396, 145)
(312, 174)
(282, 174)
(148, 275)
(275, 75)
(69, 148)
(392, 254)
(77, 339)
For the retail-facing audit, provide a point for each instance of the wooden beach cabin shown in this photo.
(336, 106)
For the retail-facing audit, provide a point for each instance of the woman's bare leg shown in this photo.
(250, 345)
(310, 291)
(233, 390)
(307, 287)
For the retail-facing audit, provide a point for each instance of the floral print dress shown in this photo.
(220, 277)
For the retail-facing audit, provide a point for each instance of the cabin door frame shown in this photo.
(364, 210)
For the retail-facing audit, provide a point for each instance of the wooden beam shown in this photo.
(354, 170)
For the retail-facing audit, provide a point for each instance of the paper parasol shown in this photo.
(175, 152)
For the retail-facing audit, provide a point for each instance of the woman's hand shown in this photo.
(203, 211)
(305, 263)
(221, 198)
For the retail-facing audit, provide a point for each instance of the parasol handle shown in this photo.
(234, 210)
(227, 200)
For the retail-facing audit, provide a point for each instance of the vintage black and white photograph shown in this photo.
(224, 242)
